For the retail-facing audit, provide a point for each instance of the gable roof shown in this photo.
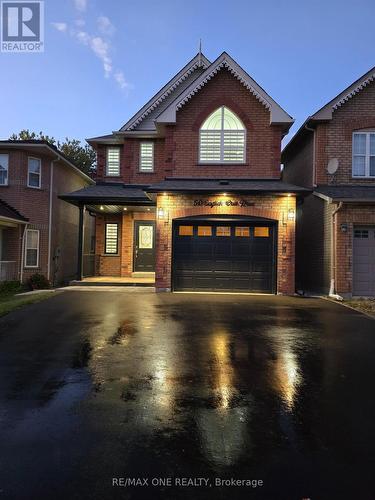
(8, 213)
(44, 147)
(326, 112)
(277, 114)
(189, 72)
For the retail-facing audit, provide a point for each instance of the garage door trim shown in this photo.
(215, 219)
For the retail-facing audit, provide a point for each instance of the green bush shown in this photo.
(38, 282)
(10, 287)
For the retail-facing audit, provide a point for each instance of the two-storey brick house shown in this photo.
(189, 188)
(333, 153)
(38, 231)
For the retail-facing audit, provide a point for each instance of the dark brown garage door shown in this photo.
(224, 256)
(364, 261)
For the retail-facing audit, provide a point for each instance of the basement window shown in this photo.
(111, 238)
(363, 154)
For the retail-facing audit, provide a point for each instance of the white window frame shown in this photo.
(144, 168)
(106, 238)
(222, 132)
(28, 172)
(37, 249)
(367, 155)
(7, 170)
(107, 173)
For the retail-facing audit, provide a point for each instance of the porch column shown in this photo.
(81, 229)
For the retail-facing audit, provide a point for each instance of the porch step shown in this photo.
(143, 275)
(111, 283)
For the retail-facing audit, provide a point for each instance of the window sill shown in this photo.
(223, 164)
(34, 187)
(110, 255)
(369, 177)
(146, 171)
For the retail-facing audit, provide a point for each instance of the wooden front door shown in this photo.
(144, 246)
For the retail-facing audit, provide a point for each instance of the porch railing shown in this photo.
(8, 270)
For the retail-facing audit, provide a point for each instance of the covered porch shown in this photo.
(123, 245)
(12, 225)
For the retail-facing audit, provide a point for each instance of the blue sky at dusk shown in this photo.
(104, 59)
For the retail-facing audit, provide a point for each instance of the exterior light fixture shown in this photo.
(289, 195)
(161, 213)
(148, 209)
(224, 194)
(101, 207)
(291, 214)
(125, 208)
(164, 194)
(344, 228)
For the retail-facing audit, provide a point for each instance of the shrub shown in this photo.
(10, 287)
(38, 282)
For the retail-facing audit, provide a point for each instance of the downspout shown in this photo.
(23, 252)
(313, 130)
(50, 218)
(332, 289)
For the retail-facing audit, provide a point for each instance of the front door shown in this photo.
(144, 246)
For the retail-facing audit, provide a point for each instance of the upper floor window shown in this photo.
(364, 154)
(33, 172)
(4, 163)
(146, 157)
(113, 162)
(222, 138)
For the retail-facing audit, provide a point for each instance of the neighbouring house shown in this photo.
(333, 154)
(38, 231)
(189, 190)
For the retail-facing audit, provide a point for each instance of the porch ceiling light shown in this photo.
(125, 208)
(101, 207)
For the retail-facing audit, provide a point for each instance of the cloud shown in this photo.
(60, 26)
(105, 26)
(99, 44)
(80, 5)
(99, 47)
(120, 79)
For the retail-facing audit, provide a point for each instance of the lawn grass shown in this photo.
(363, 305)
(9, 301)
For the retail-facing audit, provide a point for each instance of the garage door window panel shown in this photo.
(204, 231)
(243, 232)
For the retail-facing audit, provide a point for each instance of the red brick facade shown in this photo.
(176, 154)
(33, 204)
(322, 246)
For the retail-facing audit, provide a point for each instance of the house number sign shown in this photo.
(223, 203)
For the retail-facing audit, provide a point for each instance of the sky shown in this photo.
(104, 59)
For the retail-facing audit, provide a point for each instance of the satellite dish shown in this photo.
(332, 166)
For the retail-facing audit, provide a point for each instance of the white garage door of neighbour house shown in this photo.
(364, 261)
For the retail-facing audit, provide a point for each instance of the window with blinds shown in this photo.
(113, 162)
(111, 238)
(364, 154)
(222, 138)
(146, 157)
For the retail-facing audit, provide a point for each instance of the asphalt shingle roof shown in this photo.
(10, 212)
(349, 193)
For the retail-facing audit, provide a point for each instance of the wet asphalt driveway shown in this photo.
(100, 386)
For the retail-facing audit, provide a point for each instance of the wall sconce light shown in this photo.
(291, 214)
(161, 213)
(344, 228)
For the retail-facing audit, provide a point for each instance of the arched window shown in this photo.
(222, 138)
